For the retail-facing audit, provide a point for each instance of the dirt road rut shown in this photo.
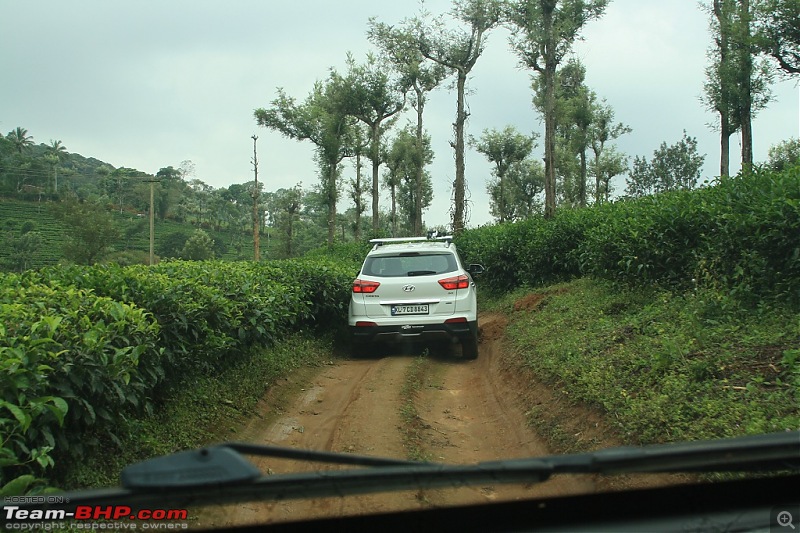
(462, 412)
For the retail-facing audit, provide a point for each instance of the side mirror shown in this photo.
(475, 269)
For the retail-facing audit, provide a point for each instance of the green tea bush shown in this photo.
(82, 348)
(70, 361)
(531, 252)
(195, 319)
(741, 236)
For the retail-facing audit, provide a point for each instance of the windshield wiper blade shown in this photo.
(754, 453)
(220, 474)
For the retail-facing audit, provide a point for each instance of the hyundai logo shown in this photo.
(408, 288)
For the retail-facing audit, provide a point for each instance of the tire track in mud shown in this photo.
(468, 411)
(471, 412)
(350, 407)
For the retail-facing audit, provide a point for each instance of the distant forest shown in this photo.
(35, 179)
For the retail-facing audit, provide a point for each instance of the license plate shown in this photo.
(409, 310)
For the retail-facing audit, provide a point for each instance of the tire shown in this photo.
(469, 347)
(361, 350)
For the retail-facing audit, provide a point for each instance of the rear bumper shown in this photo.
(453, 331)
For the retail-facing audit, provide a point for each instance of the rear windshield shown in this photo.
(410, 264)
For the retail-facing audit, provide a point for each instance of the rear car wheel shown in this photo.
(469, 347)
(361, 350)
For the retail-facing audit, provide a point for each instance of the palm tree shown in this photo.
(20, 138)
(58, 149)
(58, 152)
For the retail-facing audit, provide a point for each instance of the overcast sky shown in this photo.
(149, 84)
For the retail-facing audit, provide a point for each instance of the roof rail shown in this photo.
(389, 240)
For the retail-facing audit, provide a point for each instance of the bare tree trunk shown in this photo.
(597, 178)
(725, 104)
(420, 167)
(331, 193)
(746, 74)
(358, 199)
(376, 161)
(747, 136)
(549, 144)
(459, 185)
(502, 180)
(582, 184)
(394, 210)
(725, 146)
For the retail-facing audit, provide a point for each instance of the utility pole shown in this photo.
(254, 194)
(152, 183)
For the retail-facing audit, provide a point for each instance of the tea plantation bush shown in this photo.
(741, 236)
(531, 252)
(84, 348)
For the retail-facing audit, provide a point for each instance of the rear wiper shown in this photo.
(221, 474)
(421, 272)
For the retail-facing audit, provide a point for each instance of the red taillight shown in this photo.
(364, 286)
(457, 282)
(458, 320)
(365, 324)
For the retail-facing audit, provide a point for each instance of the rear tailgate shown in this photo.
(419, 296)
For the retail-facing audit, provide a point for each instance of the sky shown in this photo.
(150, 84)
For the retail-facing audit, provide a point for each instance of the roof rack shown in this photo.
(380, 242)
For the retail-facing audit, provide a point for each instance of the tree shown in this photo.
(197, 203)
(784, 155)
(169, 189)
(403, 161)
(20, 139)
(321, 120)
(401, 48)
(750, 90)
(777, 32)
(607, 166)
(56, 153)
(458, 51)
(91, 229)
(284, 206)
(736, 86)
(524, 183)
(503, 148)
(719, 93)
(23, 246)
(543, 32)
(367, 93)
(603, 130)
(574, 107)
(673, 167)
(22, 163)
(357, 185)
(199, 246)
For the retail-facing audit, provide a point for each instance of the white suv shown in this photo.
(414, 290)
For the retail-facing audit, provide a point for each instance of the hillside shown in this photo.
(132, 246)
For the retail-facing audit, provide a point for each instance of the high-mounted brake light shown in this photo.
(456, 282)
(364, 286)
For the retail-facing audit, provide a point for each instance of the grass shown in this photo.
(413, 440)
(662, 366)
(205, 411)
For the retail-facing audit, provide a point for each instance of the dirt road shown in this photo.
(460, 412)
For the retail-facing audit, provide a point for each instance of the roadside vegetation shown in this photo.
(661, 366)
(90, 355)
(676, 314)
